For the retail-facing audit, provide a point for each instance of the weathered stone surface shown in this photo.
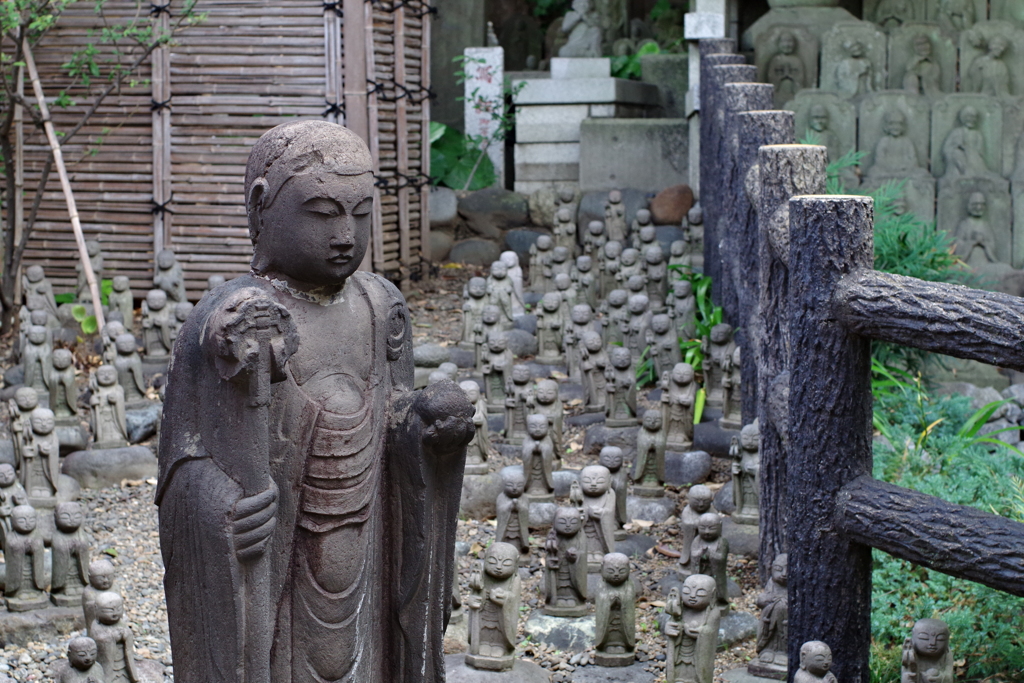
(521, 343)
(636, 673)
(787, 57)
(874, 110)
(563, 481)
(736, 627)
(646, 153)
(479, 493)
(710, 437)
(946, 118)
(671, 205)
(740, 675)
(598, 436)
(430, 355)
(692, 467)
(444, 206)
(655, 510)
(107, 467)
(52, 623)
(912, 68)
(829, 119)
(840, 67)
(520, 240)
(585, 91)
(14, 376)
(142, 422)
(475, 252)
(463, 358)
(541, 515)
(550, 123)
(542, 205)
(72, 437)
(526, 322)
(1014, 392)
(954, 219)
(562, 633)
(7, 452)
(491, 211)
(456, 671)
(743, 538)
(723, 501)
(671, 73)
(584, 419)
(441, 243)
(977, 59)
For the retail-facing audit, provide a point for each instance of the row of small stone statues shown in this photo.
(857, 58)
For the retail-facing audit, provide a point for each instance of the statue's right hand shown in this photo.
(672, 629)
(252, 523)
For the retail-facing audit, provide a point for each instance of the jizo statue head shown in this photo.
(39, 317)
(721, 333)
(309, 198)
(156, 299)
(125, 344)
(584, 263)
(592, 341)
(709, 526)
(596, 228)
(787, 43)
(92, 247)
(930, 637)
(699, 498)
(113, 330)
(496, 342)
(969, 117)
(819, 118)
(537, 426)
(682, 373)
(615, 196)
(563, 282)
(895, 124)
(82, 653)
(611, 458)
(630, 256)
(620, 358)
(683, 289)
(120, 282)
(109, 608)
(520, 374)
(35, 274)
(617, 298)
(513, 482)
(595, 480)
(566, 195)
(636, 283)
(36, 334)
(612, 249)
(166, 259)
(547, 392)
(26, 399)
(615, 568)
(477, 287)
(68, 516)
(490, 314)
(472, 390)
(652, 420)
(42, 421)
(638, 304)
(106, 375)
(698, 592)
(855, 48)
(182, 310)
(815, 658)
(23, 519)
(544, 243)
(7, 475)
(564, 215)
(997, 46)
(510, 259)
(780, 569)
(661, 323)
(61, 359)
(501, 561)
(750, 437)
(560, 254)
(450, 369)
(582, 314)
(976, 205)
(550, 302)
(101, 574)
(643, 217)
(499, 271)
(567, 521)
(677, 248)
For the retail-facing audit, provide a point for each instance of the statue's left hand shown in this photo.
(447, 418)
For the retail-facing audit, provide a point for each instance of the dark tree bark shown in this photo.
(783, 171)
(829, 433)
(954, 539)
(945, 318)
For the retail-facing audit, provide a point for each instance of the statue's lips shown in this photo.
(340, 258)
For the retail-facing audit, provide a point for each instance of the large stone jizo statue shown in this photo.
(308, 497)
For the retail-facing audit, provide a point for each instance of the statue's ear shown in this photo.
(258, 193)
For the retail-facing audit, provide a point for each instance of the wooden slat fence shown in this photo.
(162, 163)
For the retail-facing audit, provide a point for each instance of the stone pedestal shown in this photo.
(108, 467)
(458, 671)
(45, 625)
(632, 672)
(742, 675)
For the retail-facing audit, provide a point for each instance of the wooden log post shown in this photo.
(783, 171)
(829, 433)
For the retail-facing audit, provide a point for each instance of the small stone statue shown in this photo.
(620, 404)
(20, 409)
(786, 70)
(637, 326)
(169, 277)
(495, 367)
(480, 447)
(595, 240)
(550, 325)
(545, 401)
(629, 265)
(732, 391)
(514, 513)
(923, 75)
(698, 503)
(611, 458)
(593, 364)
(692, 631)
(615, 612)
(37, 359)
(560, 264)
(974, 240)
(213, 282)
(582, 26)
(70, 551)
(538, 460)
(663, 342)
(648, 473)
(25, 587)
(746, 474)
(656, 274)
(38, 291)
(637, 284)
(615, 217)
(608, 265)
(599, 510)
(82, 293)
(615, 312)
(515, 275)
(111, 331)
(40, 464)
(516, 399)
(501, 293)
(567, 199)
(121, 300)
(565, 591)
(566, 290)
(964, 148)
(815, 662)
(114, 640)
(101, 579)
(490, 323)
(678, 399)
(772, 635)
(156, 324)
(642, 231)
(586, 280)
(855, 72)
(473, 301)
(709, 554)
(494, 610)
(12, 494)
(182, 309)
(29, 319)
(926, 654)
(81, 666)
(565, 229)
(61, 382)
(718, 350)
(129, 371)
(540, 262)
(679, 255)
(581, 320)
(988, 73)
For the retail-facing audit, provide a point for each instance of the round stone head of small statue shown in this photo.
(309, 198)
(699, 592)
(930, 637)
(615, 568)
(501, 561)
(815, 658)
(82, 653)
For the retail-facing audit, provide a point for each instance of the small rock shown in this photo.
(14, 376)
(142, 422)
(635, 673)
(1015, 392)
(109, 466)
(736, 627)
(463, 358)
(520, 240)
(671, 204)
(634, 545)
(712, 438)
(521, 343)
(562, 633)
(528, 323)
(522, 671)
(563, 481)
(430, 355)
(584, 419)
(723, 501)
(655, 510)
(541, 515)
(695, 216)
(440, 245)
(598, 436)
(475, 252)
(693, 467)
(542, 207)
(479, 493)
(491, 211)
(744, 539)
(444, 206)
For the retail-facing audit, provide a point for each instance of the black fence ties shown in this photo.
(337, 108)
(160, 106)
(162, 209)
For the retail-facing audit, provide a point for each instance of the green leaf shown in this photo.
(65, 298)
(79, 313)
(89, 325)
(437, 129)
(698, 405)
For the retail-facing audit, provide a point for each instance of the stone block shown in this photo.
(476, 252)
(580, 67)
(693, 467)
(954, 219)
(671, 74)
(530, 186)
(547, 161)
(107, 467)
(585, 91)
(906, 68)
(787, 57)
(650, 154)
(697, 25)
(521, 343)
(41, 625)
(975, 60)
(456, 671)
(837, 62)
(569, 634)
(744, 539)
(550, 123)
(634, 673)
(479, 493)
(818, 20)
(655, 510)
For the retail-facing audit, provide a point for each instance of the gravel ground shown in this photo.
(123, 522)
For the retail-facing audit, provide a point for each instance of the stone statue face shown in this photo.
(780, 569)
(614, 196)
(856, 49)
(819, 118)
(997, 46)
(125, 344)
(42, 421)
(652, 420)
(544, 242)
(654, 255)
(156, 299)
(750, 437)
(510, 259)
(82, 653)
(560, 254)
(101, 575)
(699, 498)
(472, 390)
(595, 480)
(23, 519)
(584, 264)
(969, 117)
(499, 271)
(683, 289)
(630, 256)
(698, 591)
(113, 330)
(592, 342)
(617, 298)
(621, 359)
(450, 369)
(165, 259)
(106, 375)
(34, 273)
(547, 392)
(477, 287)
(922, 46)
(930, 637)
(895, 124)
(682, 373)
(120, 283)
(550, 302)
(496, 343)
(581, 314)
(513, 483)
(182, 309)
(611, 458)
(563, 281)
(613, 249)
(214, 281)
(520, 374)
(976, 205)
(787, 43)
(92, 247)
(661, 323)
(26, 398)
(6, 475)
(709, 526)
(499, 562)
(566, 195)
(537, 426)
(815, 658)
(37, 334)
(596, 228)
(720, 333)
(567, 521)
(490, 314)
(636, 283)
(638, 304)
(564, 215)
(643, 217)
(109, 608)
(61, 359)
(68, 516)
(615, 568)
(677, 248)
(39, 317)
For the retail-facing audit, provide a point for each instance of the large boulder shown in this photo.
(475, 252)
(672, 204)
(542, 207)
(521, 343)
(561, 633)
(109, 466)
(692, 467)
(444, 207)
(430, 355)
(142, 422)
(441, 244)
(490, 212)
